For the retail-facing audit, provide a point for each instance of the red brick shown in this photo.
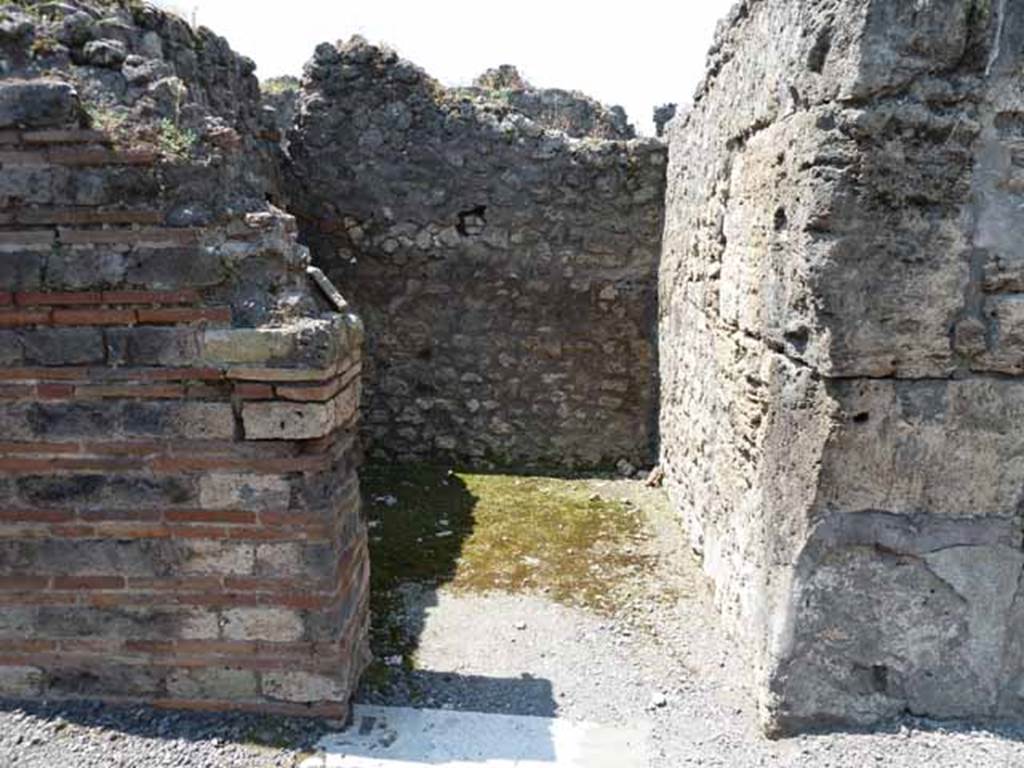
(38, 447)
(66, 136)
(182, 374)
(317, 392)
(207, 392)
(151, 235)
(232, 516)
(94, 317)
(173, 315)
(91, 645)
(277, 586)
(34, 465)
(142, 391)
(67, 373)
(253, 391)
(148, 646)
(35, 515)
(130, 447)
(14, 318)
(196, 532)
(35, 597)
(217, 647)
(21, 157)
(72, 531)
(124, 531)
(175, 584)
(24, 582)
(35, 217)
(30, 237)
(121, 515)
(6, 297)
(10, 645)
(54, 391)
(76, 156)
(151, 297)
(211, 463)
(115, 599)
(88, 582)
(287, 518)
(57, 298)
(304, 533)
(16, 391)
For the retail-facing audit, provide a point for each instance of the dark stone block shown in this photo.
(171, 268)
(21, 271)
(152, 346)
(63, 346)
(52, 420)
(117, 492)
(37, 103)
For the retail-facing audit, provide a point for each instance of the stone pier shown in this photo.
(841, 353)
(179, 506)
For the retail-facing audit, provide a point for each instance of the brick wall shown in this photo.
(179, 506)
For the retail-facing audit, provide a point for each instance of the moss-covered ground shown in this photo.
(484, 532)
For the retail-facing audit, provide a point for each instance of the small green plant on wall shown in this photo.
(174, 141)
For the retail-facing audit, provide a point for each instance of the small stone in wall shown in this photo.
(104, 53)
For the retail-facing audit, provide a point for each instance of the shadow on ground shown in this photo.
(420, 518)
(293, 733)
(432, 528)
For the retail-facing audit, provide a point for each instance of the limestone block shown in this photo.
(272, 624)
(303, 686)
(287, 421)
(21, 681)
(213, 683)
(233, 490)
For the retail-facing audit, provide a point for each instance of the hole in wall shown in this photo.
(471, 220)
(870, 679)
(819, 52)
(781, 220)
(798, 339)
(861, 418)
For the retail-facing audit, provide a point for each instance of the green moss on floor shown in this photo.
(486, 532)
(498, 532)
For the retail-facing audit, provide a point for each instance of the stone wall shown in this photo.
(506, 272)
(841, 352)
(179, 505)
(569, 112)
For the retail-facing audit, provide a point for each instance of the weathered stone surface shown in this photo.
(505, 270)
(570, 112)
(838, 284)
(21, 681)
(271, 624)
(302, 686)
(37, 103)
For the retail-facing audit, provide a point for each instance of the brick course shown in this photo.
(159, 540)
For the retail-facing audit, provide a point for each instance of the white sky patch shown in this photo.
(637, 53)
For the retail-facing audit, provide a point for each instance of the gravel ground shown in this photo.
(658, 658)
(88, 735)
